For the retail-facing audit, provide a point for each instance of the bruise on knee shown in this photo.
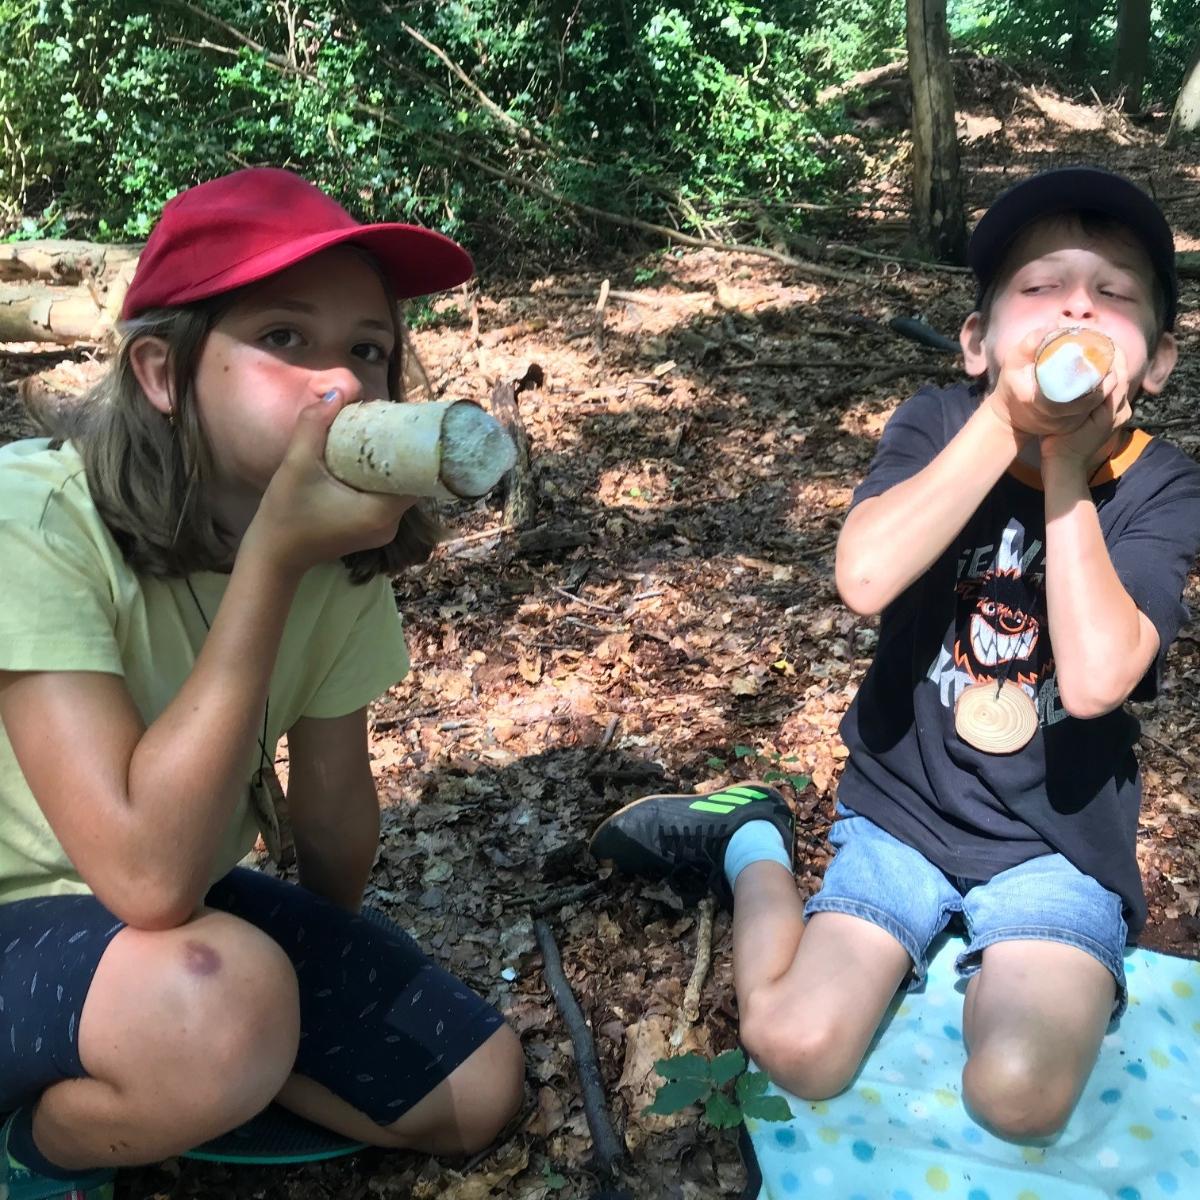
(200, 958)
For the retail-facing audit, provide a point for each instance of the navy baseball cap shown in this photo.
(1075, 189)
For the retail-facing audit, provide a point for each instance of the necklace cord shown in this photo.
(262, 741)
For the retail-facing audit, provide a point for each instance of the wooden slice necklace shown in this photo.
(268, 800)
(996, 716)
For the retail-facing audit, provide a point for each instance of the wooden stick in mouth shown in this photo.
(1072, 362)
(439, 448)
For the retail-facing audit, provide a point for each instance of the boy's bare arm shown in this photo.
(890, 540)
(1103, 643)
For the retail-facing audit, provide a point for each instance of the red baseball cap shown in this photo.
(242, 227)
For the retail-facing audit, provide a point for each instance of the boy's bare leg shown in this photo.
(1034, 1017)
(810, 999)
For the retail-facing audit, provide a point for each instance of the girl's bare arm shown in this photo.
(333, 806)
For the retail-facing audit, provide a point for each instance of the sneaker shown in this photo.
(682, 838)
(19, 1183)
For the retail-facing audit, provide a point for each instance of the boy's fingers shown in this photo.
(1026, 349)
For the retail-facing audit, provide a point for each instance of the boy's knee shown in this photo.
(810, 1055)
(1011, 1092)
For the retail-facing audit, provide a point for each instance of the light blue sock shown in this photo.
(756, 841)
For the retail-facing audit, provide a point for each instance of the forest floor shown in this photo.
(695, 460)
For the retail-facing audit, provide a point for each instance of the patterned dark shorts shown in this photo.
(380, 1024)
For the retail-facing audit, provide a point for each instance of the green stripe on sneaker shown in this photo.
(749, 792)
(709, 806)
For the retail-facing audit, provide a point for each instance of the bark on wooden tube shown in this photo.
(442, 449)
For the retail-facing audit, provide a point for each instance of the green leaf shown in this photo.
(799, 782)
(752, 1084)
(721, 1112)
(552, 1179)
(767, 1108)
(726, 1066)
(743, 751)
(684, 1066)
(715, 763)
(677, 1094)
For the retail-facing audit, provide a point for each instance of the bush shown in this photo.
(682, 113)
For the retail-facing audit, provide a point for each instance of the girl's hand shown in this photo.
(307, 516)
(1087, 440)
(1017, 400)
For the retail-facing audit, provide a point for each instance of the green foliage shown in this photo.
(766, 764)
(692, 1079)
(678, 111)
(1076, 39)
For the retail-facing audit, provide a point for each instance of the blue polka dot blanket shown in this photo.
(901, 1133)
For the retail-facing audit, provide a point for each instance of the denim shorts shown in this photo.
(883, 880)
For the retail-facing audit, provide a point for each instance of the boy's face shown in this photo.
(1056, 276)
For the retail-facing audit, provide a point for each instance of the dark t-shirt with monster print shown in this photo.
(979, 613)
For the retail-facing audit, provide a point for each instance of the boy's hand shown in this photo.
(1082, 444)
(1017, 400)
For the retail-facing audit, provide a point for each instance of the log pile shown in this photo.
(62, 291)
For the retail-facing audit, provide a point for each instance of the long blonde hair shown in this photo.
(147, 473)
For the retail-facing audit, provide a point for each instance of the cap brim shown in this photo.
(416, 261)
(1079, 189)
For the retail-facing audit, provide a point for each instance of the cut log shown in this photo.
(41, 314)
(64, 262)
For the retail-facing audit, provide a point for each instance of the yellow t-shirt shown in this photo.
(70, 602)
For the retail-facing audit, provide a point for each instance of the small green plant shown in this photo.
(694, 1079)
(766, 764)
(552, 1179)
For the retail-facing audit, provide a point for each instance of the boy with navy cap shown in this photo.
(1024, 555)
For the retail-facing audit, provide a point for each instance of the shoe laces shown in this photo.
(684, 841)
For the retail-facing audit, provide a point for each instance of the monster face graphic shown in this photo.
(1002, 631)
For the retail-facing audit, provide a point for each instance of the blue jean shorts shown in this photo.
(883, 880)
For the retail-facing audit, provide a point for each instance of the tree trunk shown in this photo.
(937, 189)
(1133, 51)
(1186, 117)
(41, 314)
(1083, 13)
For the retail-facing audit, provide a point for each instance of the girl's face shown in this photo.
(321, 325)
(1057, 276)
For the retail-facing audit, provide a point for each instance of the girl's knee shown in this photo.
(471, 1108)
(215, 1004)
(1010, 1090)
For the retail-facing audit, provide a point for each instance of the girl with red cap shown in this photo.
(185, 583)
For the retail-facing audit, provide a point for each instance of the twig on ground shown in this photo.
(689, 1010)
(940, 370)
(598, 319)
(469, 539)
(813, 364)
(897, 258)
(603, 744)
(1192, 764)
(609, 1148)
(555, 900)
(611, 612)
